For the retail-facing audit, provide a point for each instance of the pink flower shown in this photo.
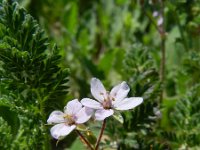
(74, 113)
(107, 102)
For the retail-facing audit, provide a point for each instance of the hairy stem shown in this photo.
(162, 35)
(84, 139)
(100, 135)
(161, 30)
(162, 66)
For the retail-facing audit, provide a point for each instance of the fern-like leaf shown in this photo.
(33, 79)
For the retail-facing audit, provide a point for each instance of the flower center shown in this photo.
(107, 103)
(69, 119)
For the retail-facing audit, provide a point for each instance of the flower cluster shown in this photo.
(106, 103)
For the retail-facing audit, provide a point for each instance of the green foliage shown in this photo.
(182, 132)
(186, 117)
(191, 64)
(32, 77)
(5, 134)
(143, 79)
(100, 39)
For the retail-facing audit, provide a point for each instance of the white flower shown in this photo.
(110, 101)
(74, 113)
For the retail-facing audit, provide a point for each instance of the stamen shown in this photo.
(69, 119)
(107, 104)
(103, 95)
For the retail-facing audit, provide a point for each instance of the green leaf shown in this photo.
(117, 116)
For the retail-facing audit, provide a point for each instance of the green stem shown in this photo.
(162, 66)
(100, 135)
(83, 138)
(163, 59)
(161, 31)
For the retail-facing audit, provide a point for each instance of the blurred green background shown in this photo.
(113, 40)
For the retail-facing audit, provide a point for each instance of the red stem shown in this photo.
(100, 135)
(83, 138)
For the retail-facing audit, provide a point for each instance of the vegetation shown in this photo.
(152, 45)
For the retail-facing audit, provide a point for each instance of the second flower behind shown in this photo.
(65, 122)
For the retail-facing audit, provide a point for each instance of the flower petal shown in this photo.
(56, 117)
(61, 130)
(97, 89)
(91, 103)
(84, 115)
(128, 103)
(120, 91)
(73, 107)
(101, 114)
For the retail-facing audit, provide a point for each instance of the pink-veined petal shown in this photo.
(128, 103)
(101, 114)
(73, 107)
(120, 91)
(61, 130)
(84, 115)
(56, 117)
(91, 103)
(97, 89)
